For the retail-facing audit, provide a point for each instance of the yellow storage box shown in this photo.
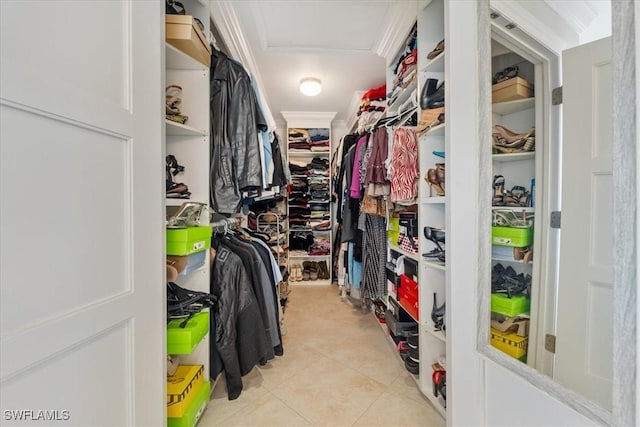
(510, 343)
(182, 386)
(182, 32)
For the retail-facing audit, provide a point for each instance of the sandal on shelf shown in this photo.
(498, 190)
(436, 50)
(523, 254)
(508, 218)
(512, 324)
(432, 179)
(506, 135)
(506, 74)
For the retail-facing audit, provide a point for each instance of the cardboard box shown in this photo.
(182, 32)
(182, 387)
(511, 90)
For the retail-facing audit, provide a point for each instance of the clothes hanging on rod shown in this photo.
(243, 149)
(247, 321)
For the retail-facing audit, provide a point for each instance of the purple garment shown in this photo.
(354, 190)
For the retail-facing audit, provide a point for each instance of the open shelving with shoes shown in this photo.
(515, 237)
(187, 129)
(309, 204)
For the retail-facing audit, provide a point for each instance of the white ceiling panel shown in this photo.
(328, 25)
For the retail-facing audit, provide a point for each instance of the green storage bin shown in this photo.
(393, 231)
(514, 237)
(187, 241)
(514, 306)
(184, 340)
(195, 410)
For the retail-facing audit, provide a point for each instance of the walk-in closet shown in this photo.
(375, 213)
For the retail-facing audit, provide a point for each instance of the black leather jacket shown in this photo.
(235, 158)
(239, 331)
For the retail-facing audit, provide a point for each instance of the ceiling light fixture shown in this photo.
(310, 86)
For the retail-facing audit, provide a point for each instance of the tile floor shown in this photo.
(338, 369)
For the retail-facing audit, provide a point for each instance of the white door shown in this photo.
(584, 345)
(81, 184)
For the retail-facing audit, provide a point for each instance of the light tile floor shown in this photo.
(338, 369)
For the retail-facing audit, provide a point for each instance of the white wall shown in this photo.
(513, 402)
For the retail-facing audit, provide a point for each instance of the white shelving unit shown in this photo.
(520, 169)
(189, 143)
(310, 120)
(432, 208)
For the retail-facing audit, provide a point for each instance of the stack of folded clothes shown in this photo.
(299, 217)
(318, 167)
(301, 241)
(372, 107)
(319, 140)
(298, 168)
(299, 139)
(320, 246)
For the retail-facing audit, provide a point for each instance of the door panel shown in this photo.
(584, 343)
(81, 217)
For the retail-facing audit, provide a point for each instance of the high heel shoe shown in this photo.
(436, 100)
(498, 190)
(437, 315)
(440, 175)
(430, 86)
(507, 136)
(512, 324)
(432, 179)
(437, 237)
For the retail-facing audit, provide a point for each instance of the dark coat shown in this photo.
(235, 158)
(239, 331)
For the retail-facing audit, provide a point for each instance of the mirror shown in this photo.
(548, 306)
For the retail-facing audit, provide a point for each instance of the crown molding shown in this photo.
(308, 118)
(402, 15)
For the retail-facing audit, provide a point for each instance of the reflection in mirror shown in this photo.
(551, 304)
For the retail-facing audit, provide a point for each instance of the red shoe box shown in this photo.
(408, 296)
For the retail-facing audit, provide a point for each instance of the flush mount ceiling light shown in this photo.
(310, 86)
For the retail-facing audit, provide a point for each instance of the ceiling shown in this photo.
(344, 42)
(335, 41)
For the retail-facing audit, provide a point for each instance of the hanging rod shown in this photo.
(225, 224)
